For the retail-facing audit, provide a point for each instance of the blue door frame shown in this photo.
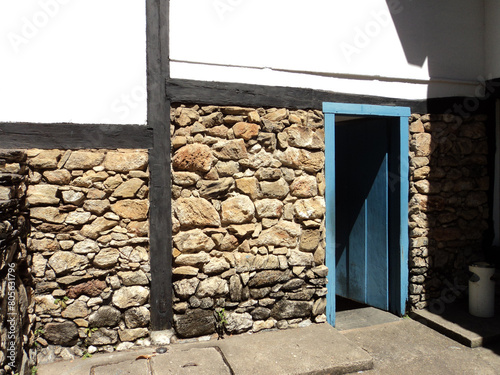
(399, 272)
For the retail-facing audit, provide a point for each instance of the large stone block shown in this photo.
(269, 208)
(304, 187)
(65, 333)
(193, 241)
(126, 161)
(308, 209)
(274, 189)
(105, 316)
(237, 210)
(285, 233)
(196, 212)
(133, 209)
(84, 160)
(195, 323)
(42, 194)
(63, 262)
(301, 136)
(231, 150)
(286, 309)
(193, 158)
(130, 296)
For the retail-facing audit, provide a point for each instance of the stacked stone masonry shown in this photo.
(90, 247)
(16, 284)
(248, 218)
(448, 205)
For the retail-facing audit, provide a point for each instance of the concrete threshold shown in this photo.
(317, 349)
(455, 322)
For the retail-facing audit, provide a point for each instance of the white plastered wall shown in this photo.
(394, 48)
(81, 61)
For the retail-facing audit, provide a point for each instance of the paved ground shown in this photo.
(402, 347)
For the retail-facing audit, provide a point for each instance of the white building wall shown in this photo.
(85, 60)
(78, 61)
(395, 48)
(492, 36)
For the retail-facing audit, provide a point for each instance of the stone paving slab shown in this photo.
(84, 366)
(199, 361)
(410, 348)
(129, 367)
(317, 349)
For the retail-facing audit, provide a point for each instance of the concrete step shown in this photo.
(453, 320)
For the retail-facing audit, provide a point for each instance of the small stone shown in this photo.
(193, 241)
(196, 212)
(304, 137)
(238, 323)
(133, 209)
(309, 240)
(245, 130)
(65, 333)
(276, 189)
(58, 177)
(216, 266)
(84, 160)
(185, 178)
(99, 225)
(106, 258)
(77, 309)
(77, 218)
(42, 194)
(230, 150)
(212, 287)
(132, 334)
(237, 210)
(195, 323)
(105, 316)
(299, 258)
(129, 278)
(128, 189)
(63, 262)
(269, 208)
(45, 159)
(304, 187)
(193, 157)
(130, 296)
(307, 209)
(186, 271)
(249, 186)
(192, 259)
(137, 317)
(284, 233)
(48, 214)
(126, 161)
(287, 309)
(103, 336)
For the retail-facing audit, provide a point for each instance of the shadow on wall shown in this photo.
(448, 205)
(448, 34)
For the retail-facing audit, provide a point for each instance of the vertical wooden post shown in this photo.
(159, 165)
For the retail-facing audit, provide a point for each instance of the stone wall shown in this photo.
(448, 204)
(16, 283)
(90, 245)
(248, 218)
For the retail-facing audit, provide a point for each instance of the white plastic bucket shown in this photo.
(482, 290)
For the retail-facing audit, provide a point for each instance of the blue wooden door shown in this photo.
(362, 211)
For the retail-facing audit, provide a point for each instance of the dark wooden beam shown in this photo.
(74, 136)
(160, 217)
(242, 94)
